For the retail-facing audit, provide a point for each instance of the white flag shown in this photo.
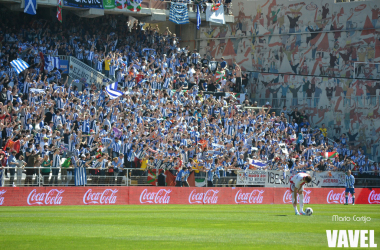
(216, 16)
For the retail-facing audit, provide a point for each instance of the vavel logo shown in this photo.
(210, 197)
(106, 197)
(338, 197)
(288, 197)
(350, 238)
(256, 196)
(53, 197)
(160, 197)
(1, 196)
(373, 198)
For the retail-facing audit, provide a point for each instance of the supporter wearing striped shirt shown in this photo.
(101, 165)
(116, 147)
(55, 167)
(90, 56)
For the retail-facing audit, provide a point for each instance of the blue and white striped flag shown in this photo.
(52, 62)
(112, 91)
(30, 7)
(257, 163)
(179, 13)
(19, 65)
(198, 17)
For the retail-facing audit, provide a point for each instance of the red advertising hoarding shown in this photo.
(55, 196)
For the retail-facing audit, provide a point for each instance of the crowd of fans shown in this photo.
(166, 115)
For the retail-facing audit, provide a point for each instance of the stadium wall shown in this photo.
(312, 46)
(54, 196)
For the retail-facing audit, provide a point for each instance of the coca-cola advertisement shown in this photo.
(287, 197)
(209, 196)
(1, 197)
(105, 197)
(374, 197)
(255, 196)
(51, 197)
(58, 196)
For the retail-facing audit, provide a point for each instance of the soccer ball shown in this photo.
(309, 211)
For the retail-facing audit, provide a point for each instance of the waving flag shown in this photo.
(112, 91)
(121, 4)
(109, 4)
(59, 11)
(134, 5)
(117, 132)
(329, 155)
(178, 13)
(219, 76)
(19, 65)
(215, 13)
(30, 7)
(198, 17)
(52, 62)
(257, 163)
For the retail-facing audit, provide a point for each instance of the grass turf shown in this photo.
(177, 226)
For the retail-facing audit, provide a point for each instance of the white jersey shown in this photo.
(297, 180)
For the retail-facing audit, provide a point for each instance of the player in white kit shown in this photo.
(296, 187)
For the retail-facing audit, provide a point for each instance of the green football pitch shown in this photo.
(177, 226)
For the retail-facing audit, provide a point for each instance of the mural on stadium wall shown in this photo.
(316, 46)
(344, 105)
(306, 37)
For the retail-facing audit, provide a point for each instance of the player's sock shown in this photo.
(346, 198)
(301, 202)
(294, 206)
(353, 199)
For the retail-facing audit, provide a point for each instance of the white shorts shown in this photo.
(292, 186)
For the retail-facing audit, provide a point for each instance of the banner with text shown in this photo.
(56, 196)
(332, 179)
(251, 177)
(279, 178)
(83, 72)
(97, 4)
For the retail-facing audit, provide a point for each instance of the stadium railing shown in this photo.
(143, 177)
(312, 103)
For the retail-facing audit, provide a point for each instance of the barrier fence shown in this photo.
(148, 177)
(311, 103)
(42, 196)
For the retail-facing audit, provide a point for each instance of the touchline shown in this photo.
(351, 238)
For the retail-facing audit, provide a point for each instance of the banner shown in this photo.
(250, 177)
(64, 66)
(278, 178)
(215, 15)
(57, 196)
(179, 13)
(97, 4)
(80, 70)
(134, 5)
(332, 179)
(30, 7)
(109, 4)
(121, 4)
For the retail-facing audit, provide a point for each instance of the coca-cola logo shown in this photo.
(160, 197)
(106, 197)
(338, 198)
(53, 197)
(254, 197)
(373, 198)
(1, 196)
(288, 197)
(209, 197)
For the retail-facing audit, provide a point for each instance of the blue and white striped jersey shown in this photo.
(350, 181)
